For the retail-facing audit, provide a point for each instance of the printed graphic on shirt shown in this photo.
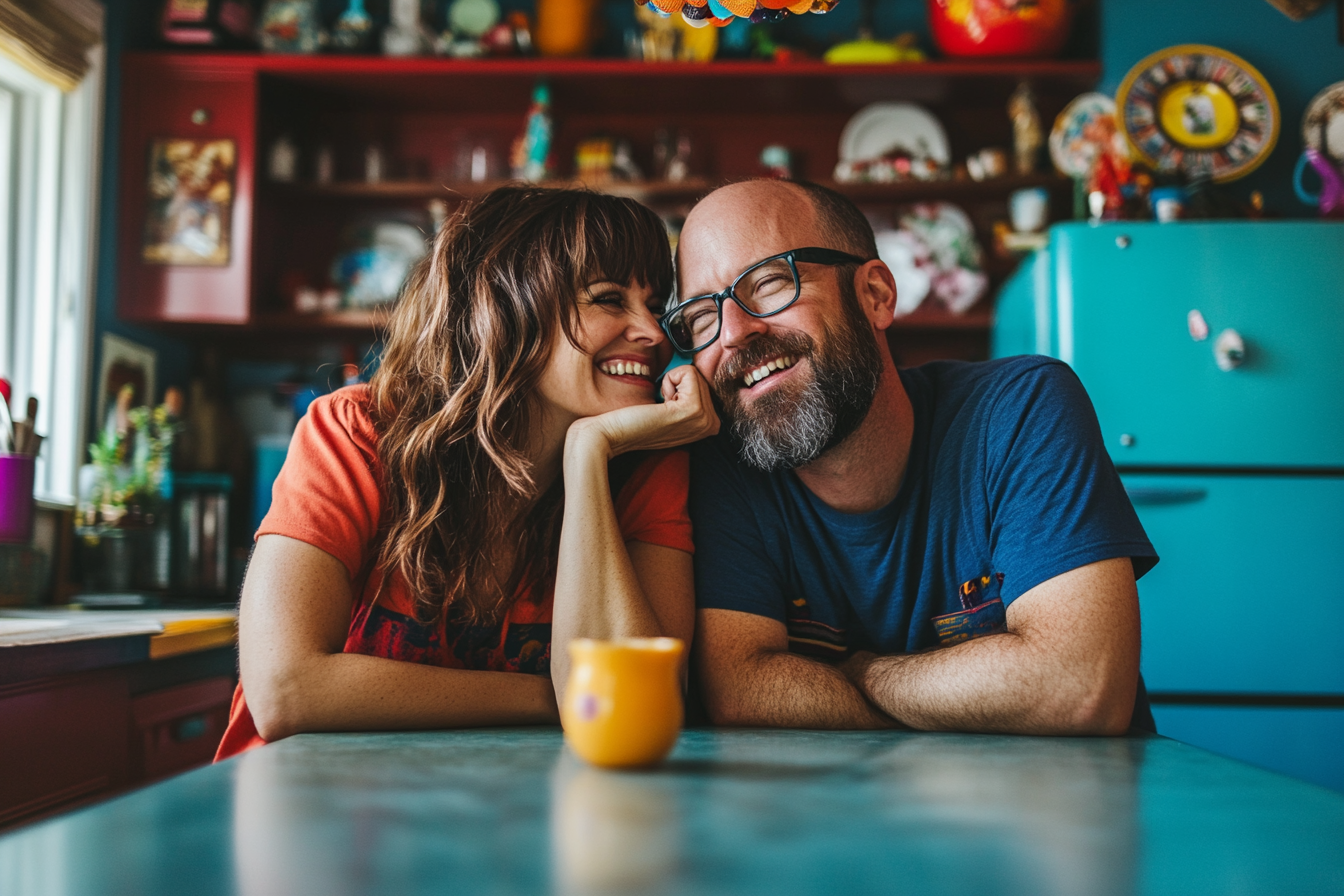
(811, 638)
(502, 647)
(982, 612)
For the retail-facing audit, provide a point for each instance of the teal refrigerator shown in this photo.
(1214, 355)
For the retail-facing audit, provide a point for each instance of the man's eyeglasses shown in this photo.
(767, 287)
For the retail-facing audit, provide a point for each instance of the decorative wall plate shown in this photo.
(1323, 123)
(1082, 132)
(1199, 110)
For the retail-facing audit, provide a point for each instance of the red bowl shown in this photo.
(1000, 27)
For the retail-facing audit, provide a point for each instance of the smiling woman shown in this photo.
(459, 520)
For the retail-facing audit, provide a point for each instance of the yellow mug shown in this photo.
(623, 703)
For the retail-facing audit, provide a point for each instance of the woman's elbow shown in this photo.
(275, 703)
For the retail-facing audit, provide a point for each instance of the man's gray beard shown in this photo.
(787, 429)
(781, 434)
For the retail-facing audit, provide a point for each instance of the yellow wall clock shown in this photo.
(1198, 110)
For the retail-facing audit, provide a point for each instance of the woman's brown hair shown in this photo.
(452, 401)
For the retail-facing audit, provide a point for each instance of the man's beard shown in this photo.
(792, 425)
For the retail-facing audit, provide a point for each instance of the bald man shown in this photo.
(945, 547)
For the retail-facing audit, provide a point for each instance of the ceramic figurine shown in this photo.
(290, 26)
(532, 150)
(405, 36)
(353, 30)
(1027, 137)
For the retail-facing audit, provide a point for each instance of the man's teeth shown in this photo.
(769, 367)
(626, 368)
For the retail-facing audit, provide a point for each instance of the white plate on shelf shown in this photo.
(1323, 123)
(879, 128)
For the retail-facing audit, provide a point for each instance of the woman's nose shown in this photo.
(644, 328)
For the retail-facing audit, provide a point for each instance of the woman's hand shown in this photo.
(686, 415)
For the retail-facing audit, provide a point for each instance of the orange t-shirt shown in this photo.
(327, 494)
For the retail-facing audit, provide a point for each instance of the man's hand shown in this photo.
(749, 678)
(1068, 664)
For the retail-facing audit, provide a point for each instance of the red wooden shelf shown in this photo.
(413, 189)
(692, 188)
(978, 318)
(1083, 70)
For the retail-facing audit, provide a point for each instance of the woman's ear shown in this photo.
(875, 288)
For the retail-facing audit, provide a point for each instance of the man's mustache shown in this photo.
(729, 375)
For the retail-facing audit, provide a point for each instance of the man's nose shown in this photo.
(738, 327)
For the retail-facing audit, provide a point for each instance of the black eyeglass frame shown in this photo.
(808, 255)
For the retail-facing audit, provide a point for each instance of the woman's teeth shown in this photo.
(760, 373)
(625, 368)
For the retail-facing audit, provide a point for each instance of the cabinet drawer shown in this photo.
(1246, 596)
(1303, 743)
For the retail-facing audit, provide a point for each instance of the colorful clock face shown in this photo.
(1198, 110)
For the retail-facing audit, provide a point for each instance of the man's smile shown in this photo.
(768, 369)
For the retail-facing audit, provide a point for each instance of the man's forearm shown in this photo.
(780, 689)
(997, 683)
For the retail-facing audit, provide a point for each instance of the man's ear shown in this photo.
(875, 288)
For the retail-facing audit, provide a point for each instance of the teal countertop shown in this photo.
(741, 812)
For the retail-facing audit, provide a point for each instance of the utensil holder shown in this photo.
(16, 497)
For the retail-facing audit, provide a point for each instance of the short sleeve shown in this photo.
(327, 493)
(734, 566)
(1056, 502)
(651, 505)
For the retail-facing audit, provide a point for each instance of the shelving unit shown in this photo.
(422, 112)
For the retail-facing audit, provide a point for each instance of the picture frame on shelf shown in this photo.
(123, 361)
(190, 202)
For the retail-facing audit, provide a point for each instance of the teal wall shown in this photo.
(1297, 58)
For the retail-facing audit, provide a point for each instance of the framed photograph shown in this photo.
(190, 208)
(124, 362)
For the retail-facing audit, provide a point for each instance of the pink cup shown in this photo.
(16, 497)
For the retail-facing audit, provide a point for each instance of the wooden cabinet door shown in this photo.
(201, 100)
(62, 739)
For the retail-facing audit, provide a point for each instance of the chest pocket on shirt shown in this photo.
(982, 612)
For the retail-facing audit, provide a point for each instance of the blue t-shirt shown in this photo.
(1007, 485)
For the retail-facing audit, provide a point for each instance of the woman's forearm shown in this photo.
(354, 692)
(597, 593)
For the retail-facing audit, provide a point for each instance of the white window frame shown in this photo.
(50, 145)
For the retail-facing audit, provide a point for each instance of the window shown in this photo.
(49, 146)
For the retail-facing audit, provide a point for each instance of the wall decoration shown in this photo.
(1198, 111)
(190, 210)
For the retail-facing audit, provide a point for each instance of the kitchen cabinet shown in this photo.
(93, 703)
(196, 98)
(420, 113)
(1233, 461)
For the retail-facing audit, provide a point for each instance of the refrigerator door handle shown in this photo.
(1160, 495)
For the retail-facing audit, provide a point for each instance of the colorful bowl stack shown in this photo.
(700, 13)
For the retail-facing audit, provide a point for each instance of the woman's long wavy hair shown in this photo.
(453, 401)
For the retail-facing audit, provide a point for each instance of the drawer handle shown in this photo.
(1168, 495)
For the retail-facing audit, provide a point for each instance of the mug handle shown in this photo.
(1303, 161)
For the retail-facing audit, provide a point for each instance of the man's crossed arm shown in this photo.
(1068, 664)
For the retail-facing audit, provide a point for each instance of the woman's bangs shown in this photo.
(626, 242)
